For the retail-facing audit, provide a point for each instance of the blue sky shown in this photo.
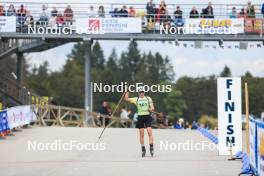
(186, 61)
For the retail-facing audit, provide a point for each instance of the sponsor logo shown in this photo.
(94, 24)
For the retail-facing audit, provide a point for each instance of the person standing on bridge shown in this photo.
(144, 107)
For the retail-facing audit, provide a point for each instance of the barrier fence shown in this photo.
(256, 137)
(15, 117)
(253, 162)
(50, 115)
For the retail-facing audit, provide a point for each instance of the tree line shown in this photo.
(190, 97)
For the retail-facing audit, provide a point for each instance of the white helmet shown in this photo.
(140, 89)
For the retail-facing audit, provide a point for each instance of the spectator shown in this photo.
(178, 125)
(123, 12)
(114, 13)
(105, 112)
(92, 13)
(178, 13)
(68, 15)
(242, 13)
(11, 10)
(163, 5)
(194, 13)
(162, 12)
(167, 19)
(29, 20)
(194, 125)
(2, 10)
(209, 11)
(186, 125)
(54, 12)
(262, 10)
(44, 18)
(250, 10)
(151, 11)
(233, 13)
(131, 12)
(21, 14)
(53, 17)
(60, 21)
(101, 11)
(178, 17)
(124, 116)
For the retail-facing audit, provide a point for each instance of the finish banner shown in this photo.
(7, 24)
(108, 25)
(229, 115)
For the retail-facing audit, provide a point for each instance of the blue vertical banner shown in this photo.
(253, 142)
(3, 122)
(1, 128)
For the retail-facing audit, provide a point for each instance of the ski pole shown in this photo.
(120, 100)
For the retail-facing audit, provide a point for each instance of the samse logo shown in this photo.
(94, 24)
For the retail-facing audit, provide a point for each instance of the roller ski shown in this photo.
(151, 149)
(143, 149)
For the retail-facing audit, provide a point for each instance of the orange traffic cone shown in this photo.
(2, 135)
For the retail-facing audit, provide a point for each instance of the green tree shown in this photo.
(98, 59)
(175, 105)
(39, 79)
(226, 72)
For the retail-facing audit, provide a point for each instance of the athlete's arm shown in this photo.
(126, 96)
(151, 105)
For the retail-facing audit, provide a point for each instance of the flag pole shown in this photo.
(247, 117)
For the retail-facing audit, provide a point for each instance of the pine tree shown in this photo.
(226, 72)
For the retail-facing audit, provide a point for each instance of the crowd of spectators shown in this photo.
(153, 13)
(161, 14)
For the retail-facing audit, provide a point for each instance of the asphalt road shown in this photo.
(46, 151)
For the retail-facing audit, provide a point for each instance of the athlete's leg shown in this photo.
(151, 147)
(150, 135)
(141, 136)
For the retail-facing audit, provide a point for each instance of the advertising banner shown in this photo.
(254, 25)
(7, 24)
(215, 26)
(260, 144)
(3, 122)
(20, 115)
(252, 142)
(229, 115)
(108, 25)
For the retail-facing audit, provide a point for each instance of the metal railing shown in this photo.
(14, 90)
(83, 10)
